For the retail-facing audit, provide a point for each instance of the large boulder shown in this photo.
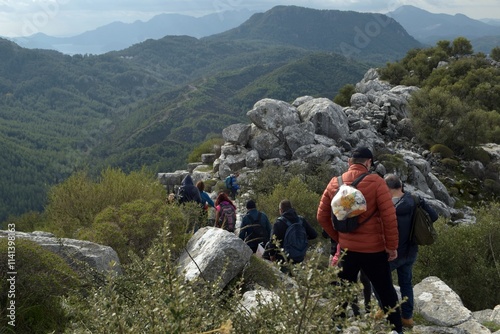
(327, 117)
(76, 253)
(214, 254)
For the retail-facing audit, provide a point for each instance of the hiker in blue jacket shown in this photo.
(287, 213)
(255, 227)
(407, 249)
(206, 201)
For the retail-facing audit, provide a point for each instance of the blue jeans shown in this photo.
(404, 267)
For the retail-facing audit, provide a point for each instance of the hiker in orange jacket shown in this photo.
(372, 245)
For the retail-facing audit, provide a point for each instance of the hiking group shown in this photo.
(372, 224)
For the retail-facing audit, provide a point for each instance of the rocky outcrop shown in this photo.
(75, 252)
(317, 131)
(440, 305)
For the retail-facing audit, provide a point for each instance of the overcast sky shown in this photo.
(72, 17)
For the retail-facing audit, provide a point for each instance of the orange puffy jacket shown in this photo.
(377, 234)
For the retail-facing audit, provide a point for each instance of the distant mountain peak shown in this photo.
(428, 28)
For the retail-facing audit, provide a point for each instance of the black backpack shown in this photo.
(422, 229)
(295, 241)
(349, 224)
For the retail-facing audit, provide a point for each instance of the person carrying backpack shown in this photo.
(407, 249)
(188, 191)
(288, 220)
(232, 185)
(255, 227)
(372, 245)
(225, 213)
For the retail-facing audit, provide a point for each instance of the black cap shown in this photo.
(251, 205)
(362, 153)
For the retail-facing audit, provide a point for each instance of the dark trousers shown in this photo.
(376, 268)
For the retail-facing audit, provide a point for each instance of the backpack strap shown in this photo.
(287, 222)
(255, 221)
(358, 179)
(354, 183)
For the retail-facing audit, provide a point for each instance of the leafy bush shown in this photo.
(208, 146)
(267, 178)
(42, 278)
(491, 187)
(303, 200)
(467, 258)
(343, 98)
(75, 203)
(442, 150)
(393, 163)
(394, 73)
(495, 53)
(449, 163)
(479, 154)
(129, 227)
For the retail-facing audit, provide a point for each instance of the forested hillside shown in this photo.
(150, 104)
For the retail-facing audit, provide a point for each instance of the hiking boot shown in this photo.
(408, 323)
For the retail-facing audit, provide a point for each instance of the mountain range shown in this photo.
(118, 35)
(426, 27)
(429, 28)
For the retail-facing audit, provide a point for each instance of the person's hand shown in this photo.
(393, 254)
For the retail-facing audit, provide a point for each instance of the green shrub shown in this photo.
(495, 53)
(477, 153)
(303, 200)
(393, 72)
(42, 278)
(75, 203)
(450, 163)
(264, 181)
(467, 258)
(491, 187)
(129, 227)
(393, 163)
(208, 146)
(443, 150)
(343, 98)
(27, 222)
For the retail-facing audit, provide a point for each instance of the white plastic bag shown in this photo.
(260, 250)
(348, 202)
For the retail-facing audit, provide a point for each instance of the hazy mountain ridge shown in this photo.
(428, 28)
(118, 35)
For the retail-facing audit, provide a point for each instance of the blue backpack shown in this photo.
(295, 242)
(229, 182)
